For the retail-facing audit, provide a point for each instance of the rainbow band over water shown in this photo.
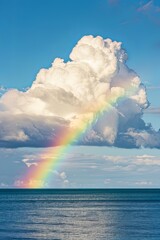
(36, 177)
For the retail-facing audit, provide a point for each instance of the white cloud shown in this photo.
(100, 165)
(145, 138)
(2, 90)
(65, 182)
(107, 181)
(68, 94)
(17, 136)
(147, 160)
(3, 185)
(143, 183)
(31, 183)
(139, 163)
(61, 178)
(63, 175)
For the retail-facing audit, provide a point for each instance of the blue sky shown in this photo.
(35, 32)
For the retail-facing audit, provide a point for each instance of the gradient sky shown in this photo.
(35, 32)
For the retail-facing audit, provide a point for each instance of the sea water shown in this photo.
(90, 214)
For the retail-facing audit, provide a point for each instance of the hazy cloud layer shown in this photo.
(70, 93)
(104, 168)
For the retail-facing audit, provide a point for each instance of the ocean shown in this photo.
(84, 214)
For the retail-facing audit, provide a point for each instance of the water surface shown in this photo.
(80, 214)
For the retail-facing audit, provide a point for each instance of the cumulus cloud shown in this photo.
(66, 95)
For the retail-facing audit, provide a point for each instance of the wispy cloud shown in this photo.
(143, 183)
(81, 169)
(151, 87)
(145, 7)
(107, 181)
(153, 110)
(133, 161)
(151, 11)
(149, 7)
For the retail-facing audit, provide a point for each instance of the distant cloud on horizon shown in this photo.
(105, 169)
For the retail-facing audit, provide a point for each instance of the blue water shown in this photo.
(80, 214)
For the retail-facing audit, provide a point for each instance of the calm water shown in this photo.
(80, 214)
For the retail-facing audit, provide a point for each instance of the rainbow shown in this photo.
(37, 176)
